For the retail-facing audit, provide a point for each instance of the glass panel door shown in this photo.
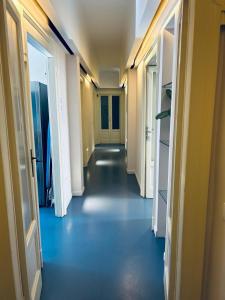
(110, 119)
(116, 112)
(104, 112)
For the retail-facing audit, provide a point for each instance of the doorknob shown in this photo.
(35, 158)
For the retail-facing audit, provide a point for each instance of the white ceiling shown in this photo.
(106, 33)
(106, 26)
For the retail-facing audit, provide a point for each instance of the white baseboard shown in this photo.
(78, 192)
(155, 231)
(138, 181)
(150, 195)
(130, 172)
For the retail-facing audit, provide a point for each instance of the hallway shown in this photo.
(104, 248)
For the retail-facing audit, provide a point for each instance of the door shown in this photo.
(150, 130)
(26, 210)
(110, 120)
(215, 272)
(171, 157)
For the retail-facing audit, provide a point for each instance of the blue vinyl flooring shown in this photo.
(104, 248)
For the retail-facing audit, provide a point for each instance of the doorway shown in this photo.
(41, 155)
(166, 121)
(161, 72)
(110, 119)
(150, 136)
(38, 70)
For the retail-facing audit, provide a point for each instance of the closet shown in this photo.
(165, 121)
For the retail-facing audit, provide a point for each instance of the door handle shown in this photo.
(32, 158)
(35, 158)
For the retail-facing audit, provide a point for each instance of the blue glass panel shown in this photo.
(104, 112)
(115, 112)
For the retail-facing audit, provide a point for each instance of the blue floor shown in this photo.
(104, 248)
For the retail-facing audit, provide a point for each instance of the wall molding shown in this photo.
(77, 193)
(131, 172)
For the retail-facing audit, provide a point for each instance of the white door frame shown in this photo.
(169, 216)
(34, 32)
(114, 136)
(153, 52)
(151, 75)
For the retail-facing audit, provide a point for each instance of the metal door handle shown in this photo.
(32, 158)
(35, 158)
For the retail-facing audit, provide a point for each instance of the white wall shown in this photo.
(87, 104)
(39, 67)
(140, 133)
(131, 120)
(75, 124)
(64, 143)
(136, 86)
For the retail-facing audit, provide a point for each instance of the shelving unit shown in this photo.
(167, 85)
(163, 194)
(165, 128)
(164, 120)
(165, 142)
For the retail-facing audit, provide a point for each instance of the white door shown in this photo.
(26, 209)
(150, 130)
(110, 119)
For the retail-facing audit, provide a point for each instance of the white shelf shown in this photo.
(165, 142)
(163, 194)
(167, 86)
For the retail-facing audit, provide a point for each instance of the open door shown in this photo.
(20, 153)
(173, 28)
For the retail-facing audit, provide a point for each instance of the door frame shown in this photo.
(153, 52)
(37, 36)
(111, 93)
(44, 41)
(173, 128)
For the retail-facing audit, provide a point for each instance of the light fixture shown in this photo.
(88, 77)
